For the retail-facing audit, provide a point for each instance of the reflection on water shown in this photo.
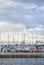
(21, 61)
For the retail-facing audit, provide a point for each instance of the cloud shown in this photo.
(19, 30)
(38, 33)
(9, 3)
(30, 6)
(38, 30)
(3, 2)
(9, 27)
(19, 11)
(22, 9)
(38, 2)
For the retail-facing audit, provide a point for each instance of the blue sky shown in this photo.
(22, 16)
(28, 12)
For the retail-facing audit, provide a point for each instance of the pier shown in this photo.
(21, 55)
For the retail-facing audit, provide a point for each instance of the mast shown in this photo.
(1, 38)
(4, 38)
(17, 38)
(8, 39)
(32, 37)
(13, 38)
(36, 36)
(24, 39)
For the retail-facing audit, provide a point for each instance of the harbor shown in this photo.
(21, 55)
(21, 49)
(21, 32)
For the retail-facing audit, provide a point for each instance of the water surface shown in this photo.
(21, 61)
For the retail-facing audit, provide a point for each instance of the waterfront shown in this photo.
(22, 61)
(22, 55)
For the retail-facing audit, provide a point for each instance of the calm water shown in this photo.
(22, 61)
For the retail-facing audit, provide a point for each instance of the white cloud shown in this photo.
(37, 28)
(19, 27)
(37, 32)
(18, 6)
(3, 2)
(8, 3)
(19, 30)
(41, 8)
(4, 5)
(7, 26)
(30, 6)
(29, 16)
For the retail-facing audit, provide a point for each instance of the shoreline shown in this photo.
(21, 55)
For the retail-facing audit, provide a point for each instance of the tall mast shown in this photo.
(13, 38)
(32, 37)
(17, 38)
(24, 39)
(8, 39)
(4, 38)
(36, 37)
(1, 39)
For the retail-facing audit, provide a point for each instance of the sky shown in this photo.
(22, 16)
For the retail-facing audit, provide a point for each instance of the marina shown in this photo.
(21, 49)
(21, 32)
(21, 55)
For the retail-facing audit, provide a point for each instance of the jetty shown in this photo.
(21, 55)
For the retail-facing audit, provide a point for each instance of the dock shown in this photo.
(22, 55)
